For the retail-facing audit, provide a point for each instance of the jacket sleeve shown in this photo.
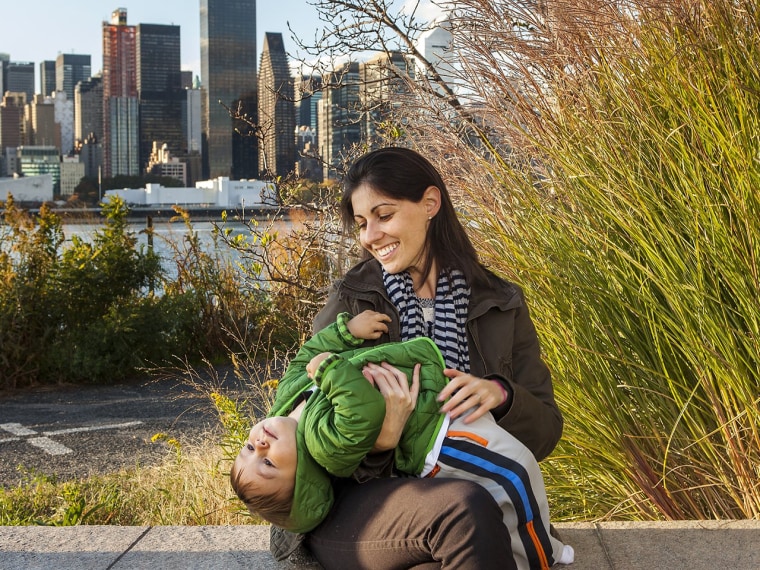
(346, 426)
(333, 338)
(532, 415)
(333, 307)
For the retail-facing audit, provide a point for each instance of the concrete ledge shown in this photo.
(687, 545)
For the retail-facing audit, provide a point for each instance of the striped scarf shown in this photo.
(452, 297)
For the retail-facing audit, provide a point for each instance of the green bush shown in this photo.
(100, 310)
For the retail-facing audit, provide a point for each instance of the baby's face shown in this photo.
(269, 456)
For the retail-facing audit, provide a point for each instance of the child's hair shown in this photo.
(273, 507)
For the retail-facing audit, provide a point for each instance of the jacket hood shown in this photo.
(313, 494)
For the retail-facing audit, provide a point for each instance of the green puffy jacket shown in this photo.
(342, 419)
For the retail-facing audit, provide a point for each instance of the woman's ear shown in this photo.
(432, 200)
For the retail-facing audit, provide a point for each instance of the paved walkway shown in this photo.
(692, 545)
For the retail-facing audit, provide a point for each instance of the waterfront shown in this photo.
(170, 236)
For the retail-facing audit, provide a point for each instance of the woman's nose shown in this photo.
(371, 232)
(261, 443)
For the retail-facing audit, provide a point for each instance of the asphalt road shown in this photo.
(74, 431)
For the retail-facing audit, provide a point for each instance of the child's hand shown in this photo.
(369, 325)
(314, 363)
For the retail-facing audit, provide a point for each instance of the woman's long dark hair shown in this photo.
(403, 174)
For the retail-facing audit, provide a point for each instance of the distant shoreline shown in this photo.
(165, 213)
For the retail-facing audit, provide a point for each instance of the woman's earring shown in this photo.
(430, 218)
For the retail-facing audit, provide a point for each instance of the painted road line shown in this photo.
(17, 429)
(91, 428)
(49, 446)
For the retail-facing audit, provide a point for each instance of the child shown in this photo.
(281, 473)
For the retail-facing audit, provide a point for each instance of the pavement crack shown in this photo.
(134, 543)
(603, 544)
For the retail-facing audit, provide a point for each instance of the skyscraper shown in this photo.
(158, 89)
(382, 89)
(277, 118)
(88, 108)
(19, 78)
(340, 117)
(120, 107)
(70, 69)
(228, 74)
(47, 77)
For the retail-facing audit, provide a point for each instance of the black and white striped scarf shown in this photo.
(452, 297)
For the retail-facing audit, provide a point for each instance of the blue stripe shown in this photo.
(496, 469)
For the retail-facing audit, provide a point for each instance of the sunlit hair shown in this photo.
(273, 507)
(403, 174)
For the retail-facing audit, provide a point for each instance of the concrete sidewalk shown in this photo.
(692, 545)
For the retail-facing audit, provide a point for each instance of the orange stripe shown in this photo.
(468, 435)
(537, 545)
(434, 471)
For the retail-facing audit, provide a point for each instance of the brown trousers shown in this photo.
(409, 523)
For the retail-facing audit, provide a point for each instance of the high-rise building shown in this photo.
(436, 46)
(158, 89)
(277, 119)
(64, 118)
(19, 78)
(307, 99)
(340, 117)
(40, 128)
(70, 69)
(192, 121)
(88, 108)
(11, 129)
(120, 108)
(382, 86)
(91, 155)
(228, 73)
(4, 61)
(47, 77)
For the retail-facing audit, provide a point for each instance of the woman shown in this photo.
(422, 270)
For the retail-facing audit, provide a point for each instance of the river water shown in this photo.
(170, 235)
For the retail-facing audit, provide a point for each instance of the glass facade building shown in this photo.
(228, 75)
(47, 77)
(70, 69)
(277, 119)
(159, 89)
(120, 117)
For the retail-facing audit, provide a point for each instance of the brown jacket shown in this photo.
(503, 345)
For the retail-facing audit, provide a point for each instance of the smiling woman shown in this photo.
(417, 254)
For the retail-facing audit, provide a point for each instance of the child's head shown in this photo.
(264, 472)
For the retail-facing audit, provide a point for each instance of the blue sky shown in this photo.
(39, 30)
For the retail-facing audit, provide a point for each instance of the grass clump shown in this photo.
(187, 488)
(629, 211)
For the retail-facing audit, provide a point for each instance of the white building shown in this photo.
(220, 192)
(436, 46)
(28, 188)
(64, 116)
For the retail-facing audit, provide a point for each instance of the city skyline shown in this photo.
(75, 27)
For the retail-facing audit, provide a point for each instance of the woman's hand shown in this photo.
(400, 399)
(466, 391)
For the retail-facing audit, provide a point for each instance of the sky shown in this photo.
(42, 29)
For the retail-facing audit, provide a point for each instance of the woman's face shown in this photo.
(394, 231)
